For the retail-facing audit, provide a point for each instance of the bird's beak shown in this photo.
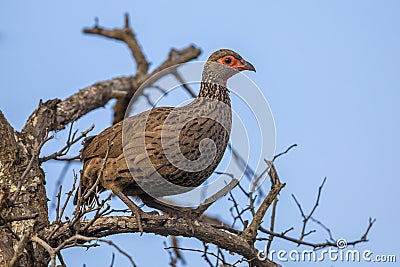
(246, 66)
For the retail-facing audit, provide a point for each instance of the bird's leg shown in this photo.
(188, 214)
(133, 207)
(154, 203)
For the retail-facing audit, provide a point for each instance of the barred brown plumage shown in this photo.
(154, 167)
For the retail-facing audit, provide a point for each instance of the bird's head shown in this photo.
(223, 64)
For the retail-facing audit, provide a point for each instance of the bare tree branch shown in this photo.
(322, 244)
(70, 141)
(250, 232)
(306, 218)
(284, 152)
(126, 35)
(56, 114)
(272, 226)
(106, 226)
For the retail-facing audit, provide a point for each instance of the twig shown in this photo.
(318, 245)
(60, 257)
(99, 212)
(195, 250)
(54, 251)
(220, 252)
(227, 228)
(209, 201)
(112, 260)
(126, 35)
(183, 83)
(288, 230)
(117, 210)
(58, 203)
(59, 214)
(89, 239)
(236, 207)
(249, 173)
(324, 227)
(69, 194)
(205, 255)
(172, 260)
(284, 152)
(176, 57)
(70, 159)
(48, 248)
(307, 217)
(177, 252)
(70, 141)
(254, 183)
(272, 226)
(370, 224)
(250, 232)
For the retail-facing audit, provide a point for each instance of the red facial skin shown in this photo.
(234, 63)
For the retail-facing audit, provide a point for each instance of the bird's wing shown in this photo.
(97, 146)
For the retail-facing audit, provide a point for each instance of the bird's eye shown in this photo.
(228, 60)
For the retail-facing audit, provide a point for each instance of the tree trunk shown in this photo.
(23, 201)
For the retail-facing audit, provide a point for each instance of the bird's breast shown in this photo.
(181, 147)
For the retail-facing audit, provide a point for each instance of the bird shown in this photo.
(166, 150)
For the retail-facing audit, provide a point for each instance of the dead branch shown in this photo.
(126, 35)
(322, 244)
(250, 232)
(222, 192)
(56, 114)
(306, 218)
(70, 141)
(324, 227)
(284, 152)
(205, 253)
(272, 226)
(106, 226)
(235, 207)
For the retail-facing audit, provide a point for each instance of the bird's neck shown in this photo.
(215, 91)
(215, 88)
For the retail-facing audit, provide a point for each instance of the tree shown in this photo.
(28, 238)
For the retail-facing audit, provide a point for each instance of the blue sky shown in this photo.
(329, 70)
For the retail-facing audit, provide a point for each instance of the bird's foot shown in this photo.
(136, 211)
(152, 215)
(190, 215)
(141, 215)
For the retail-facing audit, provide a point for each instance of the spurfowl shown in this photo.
(165, 151)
